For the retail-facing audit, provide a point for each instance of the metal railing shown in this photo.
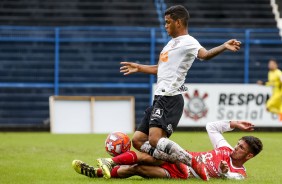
(58, 35)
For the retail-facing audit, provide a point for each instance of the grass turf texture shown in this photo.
(46, 158)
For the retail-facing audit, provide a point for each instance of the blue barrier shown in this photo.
(247, 51)
(57, 61)
(152, 36)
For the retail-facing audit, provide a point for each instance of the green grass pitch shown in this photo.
(46, 158)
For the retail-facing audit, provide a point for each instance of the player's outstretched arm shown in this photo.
(268, 83)
(215, 130)
(130, 68)
(232, 45)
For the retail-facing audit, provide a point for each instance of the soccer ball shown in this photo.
(117, 143)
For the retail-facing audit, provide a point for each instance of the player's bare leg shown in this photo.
(142, 170)
(127, 158)
(146, 159)
(146, 171)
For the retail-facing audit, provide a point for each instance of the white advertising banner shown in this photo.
(211, 102)
(92, 114)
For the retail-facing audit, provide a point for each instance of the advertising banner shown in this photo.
(212, 102)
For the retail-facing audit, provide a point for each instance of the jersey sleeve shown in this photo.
(215, 130)
(195, 46)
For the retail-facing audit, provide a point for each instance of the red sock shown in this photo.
(127, 158)
(114, 173)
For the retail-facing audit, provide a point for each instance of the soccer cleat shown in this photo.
(198, 165)
(84, 169)
(106, 164)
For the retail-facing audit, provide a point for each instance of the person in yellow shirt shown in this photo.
(274, 103)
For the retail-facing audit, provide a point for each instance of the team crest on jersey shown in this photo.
(195, 108)
(157, 113)
(164, 56)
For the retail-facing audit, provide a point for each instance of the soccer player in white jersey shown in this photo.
(223, 161)
(176, 58)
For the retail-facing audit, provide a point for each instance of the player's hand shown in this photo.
(224, 167)
(232, 45)
(259, 82)
(244, 126)
(128, 68)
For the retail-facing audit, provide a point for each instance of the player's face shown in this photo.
(272, 65)
(241, 151)
(170, 26)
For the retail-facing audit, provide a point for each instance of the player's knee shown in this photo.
(140, 170)
(155, 134)
(153, 140)
(132, 169)
(135, 169)
(138, 139)
(136, 143)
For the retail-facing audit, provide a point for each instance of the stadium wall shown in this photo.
(38, 62)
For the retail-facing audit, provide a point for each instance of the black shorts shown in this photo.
(165, 114)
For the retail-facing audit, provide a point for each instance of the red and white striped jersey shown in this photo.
(221, 152)
(213, 159)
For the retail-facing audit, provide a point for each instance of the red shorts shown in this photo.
(177, 171)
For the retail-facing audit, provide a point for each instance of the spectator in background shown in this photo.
(274, 103)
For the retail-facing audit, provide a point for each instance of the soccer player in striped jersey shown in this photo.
(223, 161)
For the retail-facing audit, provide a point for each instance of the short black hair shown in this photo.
(254, 144)
(178, 12)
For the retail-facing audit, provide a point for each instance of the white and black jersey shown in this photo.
(175, 60)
